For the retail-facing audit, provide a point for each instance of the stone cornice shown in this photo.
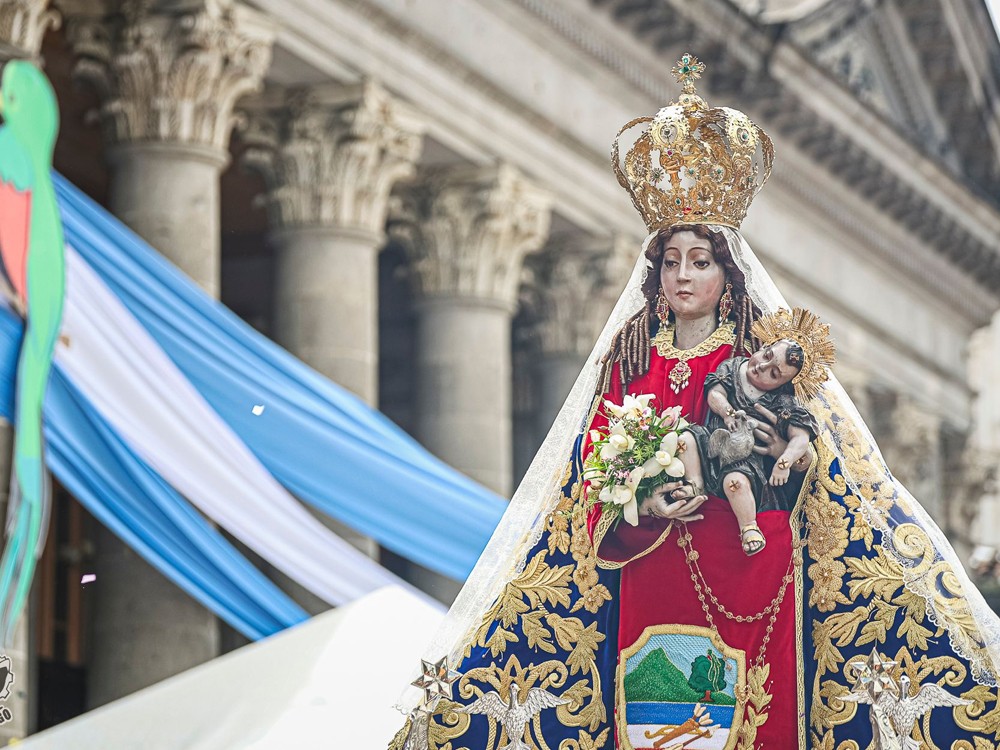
(963, 65)
(825, 119)
(918, 193)
(894, 247)
(462, 98)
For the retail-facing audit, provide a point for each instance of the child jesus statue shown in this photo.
(719, 456)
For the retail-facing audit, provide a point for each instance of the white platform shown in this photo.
(328, 683)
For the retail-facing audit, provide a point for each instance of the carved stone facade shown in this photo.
(914, 452)
(572, 288)
(169, 72)
(566, 299)
(469, 231)
(332, 155)
(23, 23)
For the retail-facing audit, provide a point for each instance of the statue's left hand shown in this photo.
(769, 442)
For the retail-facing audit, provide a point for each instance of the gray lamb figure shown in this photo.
(730, 447)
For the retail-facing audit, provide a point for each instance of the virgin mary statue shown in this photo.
(853, 627)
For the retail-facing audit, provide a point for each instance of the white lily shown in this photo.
(614, 408)
(674, 466)
(624, 495)
(669, 443)
(651, 467)
(636, 406)
(630, 508)
(595, 476)
(619, 441)
(595, 435)
(663, 461)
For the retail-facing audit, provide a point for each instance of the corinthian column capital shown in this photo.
(573, 286)
(169, 71)
(331, 155)
(468, 231)
(23, 23)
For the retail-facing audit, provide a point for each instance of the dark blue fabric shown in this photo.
(535, 643)
(871, 609)
(321, 442)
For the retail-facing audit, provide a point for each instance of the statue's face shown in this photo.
(691, 278)
(768, 368)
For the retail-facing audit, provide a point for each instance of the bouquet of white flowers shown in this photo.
(638, 454)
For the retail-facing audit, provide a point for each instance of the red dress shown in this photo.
(659, 604)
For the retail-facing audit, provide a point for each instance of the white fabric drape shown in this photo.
(129, 379)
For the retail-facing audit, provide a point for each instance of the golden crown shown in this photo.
(805, 329)
(693, 164)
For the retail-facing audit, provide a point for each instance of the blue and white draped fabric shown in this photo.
(149, 415)
(311, 430)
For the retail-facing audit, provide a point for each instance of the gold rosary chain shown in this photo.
(698, 578)
(691, 557)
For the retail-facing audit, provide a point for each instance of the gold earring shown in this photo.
(726, 303)
(662, 308)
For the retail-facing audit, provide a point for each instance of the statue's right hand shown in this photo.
(674, 501)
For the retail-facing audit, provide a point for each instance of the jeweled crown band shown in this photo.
(693, 164)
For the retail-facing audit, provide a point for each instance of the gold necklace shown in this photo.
(680, 374)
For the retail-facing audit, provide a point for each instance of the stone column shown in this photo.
(983, 444)
(23, 23)
(914, 454)
(168, 73)
(330, 156)
(468, 232)
(575, 285)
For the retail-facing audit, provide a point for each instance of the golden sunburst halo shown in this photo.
(804, 328)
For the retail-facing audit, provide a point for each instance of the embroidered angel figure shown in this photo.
(894, 712)
(514, 716)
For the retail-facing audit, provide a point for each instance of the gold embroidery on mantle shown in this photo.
(877, 504)
(883, 605)
(978, 717)
(757, 701)
(981, 744)
(586, 741)
(526, 609)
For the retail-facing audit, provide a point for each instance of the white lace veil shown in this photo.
(932, 570)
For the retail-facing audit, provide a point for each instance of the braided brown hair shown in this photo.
(631, 344)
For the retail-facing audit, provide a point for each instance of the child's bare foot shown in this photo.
(779, 474)
(752, 539)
